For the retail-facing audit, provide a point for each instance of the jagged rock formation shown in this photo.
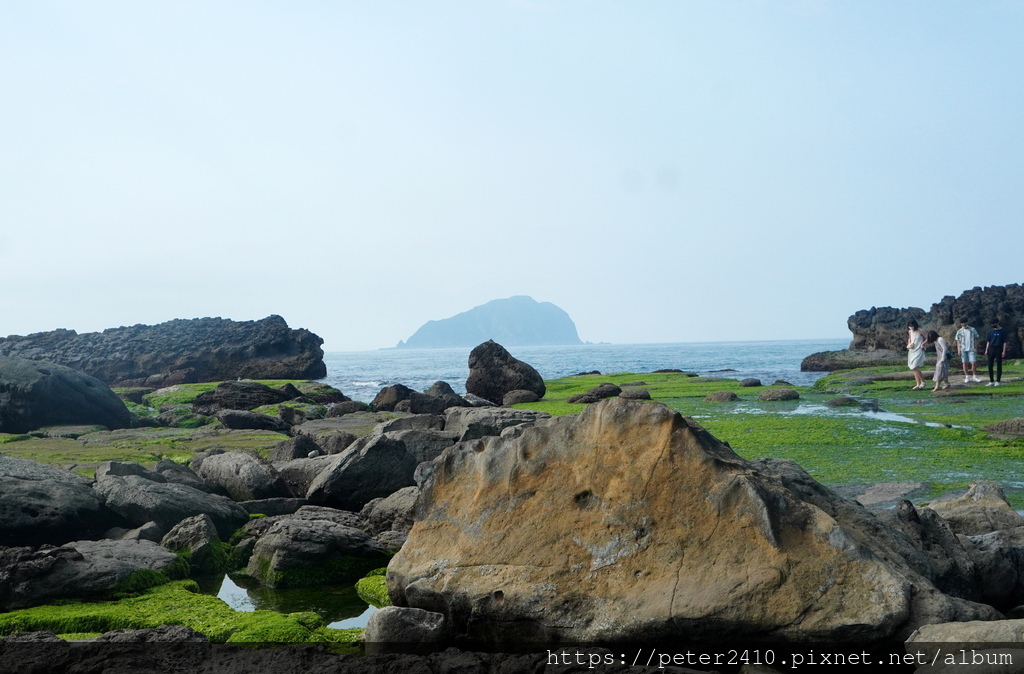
(880, 334)
(630, 522)
(180, 351)
(515, 321)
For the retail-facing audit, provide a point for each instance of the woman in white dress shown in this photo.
(942, 355)
(915, 359)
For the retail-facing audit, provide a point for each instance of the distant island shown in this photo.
(514, 321)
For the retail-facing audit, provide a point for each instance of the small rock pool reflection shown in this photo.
(338, 605)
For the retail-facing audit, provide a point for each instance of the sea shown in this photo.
(362, 374)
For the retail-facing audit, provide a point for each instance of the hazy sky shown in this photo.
(663, 171)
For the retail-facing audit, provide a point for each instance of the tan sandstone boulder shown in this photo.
(628, 521)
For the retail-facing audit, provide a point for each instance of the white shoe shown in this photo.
(997, 384)
(967, 379)
(991, 383)
(976, 378)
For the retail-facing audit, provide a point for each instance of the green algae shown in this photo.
(176, 603)
(373, 589)
(926, 437)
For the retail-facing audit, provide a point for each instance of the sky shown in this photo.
(662, 171)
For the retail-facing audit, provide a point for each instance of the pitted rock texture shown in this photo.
(180, 351)
(629, 522)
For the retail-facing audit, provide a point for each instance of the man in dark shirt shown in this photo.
(995, 349)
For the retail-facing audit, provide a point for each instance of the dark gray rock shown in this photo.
(998, 557)
(389, 397)
(519, 396)
(778, 394)
(493, 372)
(296, 552)
(592, 395)
(392, 540)
(197, 537)
(444, 391)
(81, 569)
(391, 513)
(153, 635)
(348, 407)
(34, 394)
(244, 476)
(841, 401)
(425, 445)
(414, 422)
(300, 473)
(237, 395)
(477, 401)
(471, 423)
(400, 625)
(721, 397)
(244, 420)
(374, 466)
(335, 434)
(633, 393)
(982, 509)
(179, 474)
(42, 504)
(274, 506)
(123, 468)
(258, 527)
(750, 381)
(139, 501)
(298, 447)
(180, 351)
(149, 531)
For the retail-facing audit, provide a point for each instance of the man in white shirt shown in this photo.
(966, 337)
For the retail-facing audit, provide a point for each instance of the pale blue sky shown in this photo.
(663, 171)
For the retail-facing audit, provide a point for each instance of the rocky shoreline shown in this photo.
(498, 526)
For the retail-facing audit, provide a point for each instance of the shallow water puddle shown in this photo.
(338, 605)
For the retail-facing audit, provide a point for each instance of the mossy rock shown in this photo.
(176, 603)
(373, 589)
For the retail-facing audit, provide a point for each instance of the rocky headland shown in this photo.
(880, 334)
(179, 351)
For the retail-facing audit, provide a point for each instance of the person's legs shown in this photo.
(999, 368)
(918, 378)
(991, 362)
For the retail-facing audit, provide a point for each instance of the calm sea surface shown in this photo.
(361, 374)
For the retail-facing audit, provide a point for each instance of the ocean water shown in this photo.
(361, 374)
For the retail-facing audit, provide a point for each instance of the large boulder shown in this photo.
(81, 569)
(180, 351)
(389, 396)
(244, 420)
(244, 476)
(42, 504)
(196, 537)
(304, 552)
(35, 393)
(493, 372)
(139, 501)
(373, 467)
(629, 522)
(237, 395)
(391, 513)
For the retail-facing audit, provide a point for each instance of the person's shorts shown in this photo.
(968, 357)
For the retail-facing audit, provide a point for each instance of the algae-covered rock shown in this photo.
(300, 553)
(81, 569)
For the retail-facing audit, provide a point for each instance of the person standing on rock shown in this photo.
(966, 338)
(942, 356)
(995, 349)
(915, 359)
